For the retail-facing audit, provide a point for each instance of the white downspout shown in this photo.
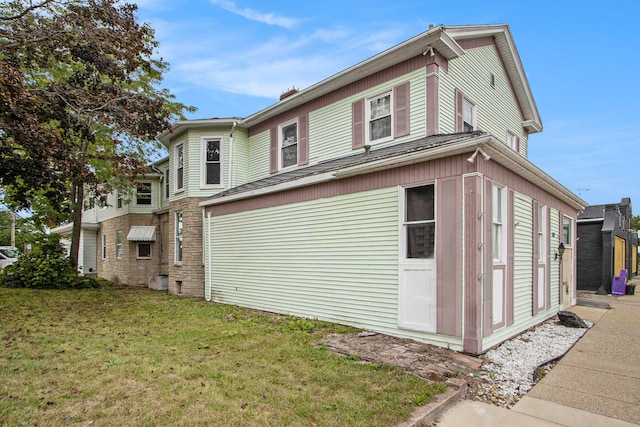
(230, 173)
(208, 273)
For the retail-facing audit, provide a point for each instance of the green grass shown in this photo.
(134, 357)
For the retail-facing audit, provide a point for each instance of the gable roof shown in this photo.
(444, 40)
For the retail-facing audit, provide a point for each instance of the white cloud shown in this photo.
(254, 15)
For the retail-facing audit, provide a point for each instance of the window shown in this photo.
(144, 250)
(118, 200)
(512, 141)
(379, 120)
(498, 224)
(104, 246)
(468, 116)
(542, 228)
(288, 144)
(118, 244)
(166, 184)
(178, 239)
(419, 221)
(143, 194)
(566, 231)
(179, 168)
(211, 161)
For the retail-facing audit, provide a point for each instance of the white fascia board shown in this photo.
(513, 161)
(183, 125)
(587, 220)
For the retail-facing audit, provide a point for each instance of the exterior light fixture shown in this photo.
(561, 250)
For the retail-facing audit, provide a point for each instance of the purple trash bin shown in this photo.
(619, 285)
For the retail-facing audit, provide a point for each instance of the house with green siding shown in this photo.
(395, 196)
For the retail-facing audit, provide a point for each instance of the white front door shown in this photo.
(417, 298)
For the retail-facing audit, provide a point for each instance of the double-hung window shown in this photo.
(211, 161)
(119, 201)
(118, 244)
(104, 246)
(379, 118)
(499, 214)
(512, 141)
(178, 238)
(144, 194)
(420, 222)
(468, 116)
(288, 143)
(166, 184)
(179, 168)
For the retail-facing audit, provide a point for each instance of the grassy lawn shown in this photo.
(134, 357)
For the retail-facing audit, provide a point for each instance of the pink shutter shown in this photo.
(357, 124)
(303, 140)
(458, 105)
(273, 150)
(401, 110)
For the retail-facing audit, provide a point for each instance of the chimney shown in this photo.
(288, 93)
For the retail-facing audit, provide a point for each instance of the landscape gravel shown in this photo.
(511, 369)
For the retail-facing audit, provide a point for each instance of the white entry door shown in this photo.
(417, 297)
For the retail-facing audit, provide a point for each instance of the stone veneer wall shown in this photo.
(186, 278)
(128, 269)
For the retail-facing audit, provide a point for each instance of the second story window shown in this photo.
(166, 184)
(379, 120)
(211, 161)
(512, 141)
(468, 116)
(179, 168)
(119, 200)
(289, 144)
(143, 194)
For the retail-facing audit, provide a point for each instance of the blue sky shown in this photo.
(234, 58)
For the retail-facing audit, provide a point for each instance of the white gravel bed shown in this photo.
(510, 368)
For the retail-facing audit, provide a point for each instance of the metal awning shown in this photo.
(141, 233)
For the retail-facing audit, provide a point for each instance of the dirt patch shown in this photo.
(423, 360)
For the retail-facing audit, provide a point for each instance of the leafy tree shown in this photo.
(45, 267)
(635, 222)
(79, 101)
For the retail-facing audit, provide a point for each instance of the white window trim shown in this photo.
(119, 200)
(203, 161)
(280, 142)
(512, 141)
(151, 195)
(118, 244)
(474, 113)
(166, 190)
(103, 250)
(367, 117)
(403, 223)
(138, 250)
(175, 238)
(177, 189)
(568, 244)
(499, 221)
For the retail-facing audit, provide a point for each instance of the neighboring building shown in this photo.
(607, 243)
(394, 196)
(124, 237)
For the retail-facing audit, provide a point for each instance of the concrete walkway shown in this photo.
(597, 383)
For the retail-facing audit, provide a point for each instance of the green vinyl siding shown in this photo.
(496, 107)
(523, 257)
(332, 258)
(330, 126)
(523, 274)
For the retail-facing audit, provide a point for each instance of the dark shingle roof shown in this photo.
(388, 152)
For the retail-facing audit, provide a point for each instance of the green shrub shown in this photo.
(45, 267)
